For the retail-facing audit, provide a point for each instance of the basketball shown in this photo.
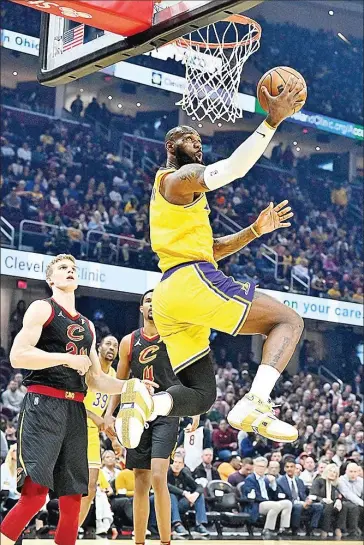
(275, 80)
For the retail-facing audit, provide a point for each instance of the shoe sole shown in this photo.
(133, 414)
(261, 430)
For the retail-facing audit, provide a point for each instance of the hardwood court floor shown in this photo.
(199, 542)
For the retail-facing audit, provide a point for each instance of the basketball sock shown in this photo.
(197, 391)
(163, 403)
(264, 381)
(32, 499)
(69, 512)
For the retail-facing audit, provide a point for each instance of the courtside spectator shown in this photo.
(239, 476)
(226, 469)
(263, 491)
(351, 487)
(293, 488)
(206, 470)
(185, 495)
(335, 512)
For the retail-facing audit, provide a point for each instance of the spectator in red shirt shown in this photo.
(224, 441)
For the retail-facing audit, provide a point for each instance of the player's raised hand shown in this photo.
(273, 217)
(286, 103)
(81, 364)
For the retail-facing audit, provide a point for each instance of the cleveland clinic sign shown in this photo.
(109, 277)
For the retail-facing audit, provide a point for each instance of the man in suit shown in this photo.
(262, 491)
(293, 488)
(205, 470)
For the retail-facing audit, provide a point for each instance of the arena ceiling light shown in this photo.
(109, 97)
(219, 124)
(331, 12)
(120, 106)
(81, 90)
(317, 148)
(295, 143)
(298, 149)
(15, 73)
(138, 104)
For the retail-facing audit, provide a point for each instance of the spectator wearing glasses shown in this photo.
(263, 490)
(325, 488)
(293, 489)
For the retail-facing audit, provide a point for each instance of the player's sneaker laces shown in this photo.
(252, 414)
(136, 406)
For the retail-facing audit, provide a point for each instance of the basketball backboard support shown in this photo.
(98, 49)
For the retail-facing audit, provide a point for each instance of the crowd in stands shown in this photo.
(72, 181)
(328, 65)
(311, 487)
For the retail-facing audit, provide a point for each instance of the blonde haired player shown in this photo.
(57, 346)
(96, 404)
(194, 297)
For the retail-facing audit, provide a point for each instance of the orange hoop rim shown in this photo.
(237, 19)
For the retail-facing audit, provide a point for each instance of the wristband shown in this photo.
(254, 232)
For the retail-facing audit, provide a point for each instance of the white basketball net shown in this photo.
(214, 64)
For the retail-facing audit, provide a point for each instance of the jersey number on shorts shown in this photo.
(101, 399)
(71, 348)
(148, 373)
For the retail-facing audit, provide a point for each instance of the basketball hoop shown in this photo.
(215, 57)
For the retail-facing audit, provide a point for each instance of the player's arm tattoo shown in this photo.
(188, 179)
(231, 244)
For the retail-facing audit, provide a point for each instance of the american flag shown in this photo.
(73, 37)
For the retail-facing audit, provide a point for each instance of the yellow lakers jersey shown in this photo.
(179, 234)
(97, 402)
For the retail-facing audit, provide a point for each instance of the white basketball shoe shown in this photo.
(252, 414)
(136, 406)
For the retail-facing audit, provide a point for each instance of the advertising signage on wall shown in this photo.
(176, 84)
(109, 277)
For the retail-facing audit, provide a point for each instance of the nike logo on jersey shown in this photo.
(60, 314)
(261, 134)
(82, 321)
(138, 343)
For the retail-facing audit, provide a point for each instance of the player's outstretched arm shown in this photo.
(25, 355)
(270, 219)
(195, 178)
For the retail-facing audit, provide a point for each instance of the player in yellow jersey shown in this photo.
(96, 404)
(194, 297)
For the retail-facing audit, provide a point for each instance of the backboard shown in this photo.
(92, 49)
